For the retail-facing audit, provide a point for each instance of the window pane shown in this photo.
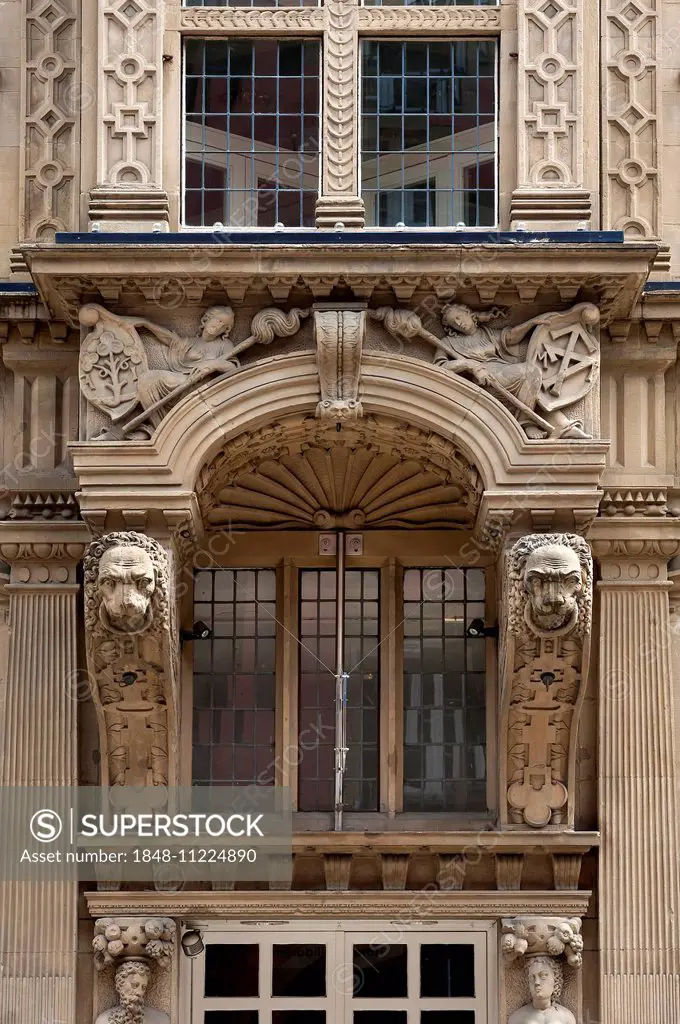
(235, 678)
(252, 132)
(299, 971)
(317, 689)
(380, 972)
(447, 1017)
(380, 1017)
(447, 971)
(428, 133)
(232, 1017)
(299, 1017)
(232, 971)
(444, 691)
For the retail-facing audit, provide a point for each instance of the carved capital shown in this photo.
(132, 654)
(339, 343)
(548, 590)
(635, 552)
(543, 936)
(42, 556)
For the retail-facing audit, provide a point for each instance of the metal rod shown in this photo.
(340, 681)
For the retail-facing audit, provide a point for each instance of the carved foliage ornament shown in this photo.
(133, 945)
(544, 944)
(132, 656)
(541, 369)
(548, 602)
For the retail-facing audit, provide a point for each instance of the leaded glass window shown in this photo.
(251, 154)
(444, 691)
(428, 133)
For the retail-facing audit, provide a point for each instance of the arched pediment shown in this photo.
(302, 472)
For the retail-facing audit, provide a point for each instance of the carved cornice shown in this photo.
(407, 906)
(611, 276)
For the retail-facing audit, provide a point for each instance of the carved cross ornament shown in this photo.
(548, 600)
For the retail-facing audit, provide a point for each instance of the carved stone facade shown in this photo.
(549, 590)
(478, 410)
(132, 653)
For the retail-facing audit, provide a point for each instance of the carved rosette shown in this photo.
(132, 655)
(548, 606)
(339, 343)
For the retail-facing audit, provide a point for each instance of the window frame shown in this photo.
(405, 37)
(391, 719)
(338, 936)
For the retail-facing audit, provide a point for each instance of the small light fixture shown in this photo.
(128, 679)
(478, 629)
(192, 943)
(199, 631)
(547, 678)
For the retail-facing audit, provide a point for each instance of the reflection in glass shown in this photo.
(235, 677)
(317, 688)
(444, 691)
(428, 133)
(251, 132)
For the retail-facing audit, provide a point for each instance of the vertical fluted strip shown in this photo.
(638, 893)
(38, 921)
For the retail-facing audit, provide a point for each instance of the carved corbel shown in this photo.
(543, 946)
(132, 655)
(339, 335)
(134, 946)
(548, 601)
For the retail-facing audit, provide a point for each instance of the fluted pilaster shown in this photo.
(639, 878)
(38, 921)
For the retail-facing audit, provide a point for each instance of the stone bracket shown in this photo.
(339, 335)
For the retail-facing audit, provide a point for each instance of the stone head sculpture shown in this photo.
(126, 581)
(553, 580)
(132, 981)
(553, 583)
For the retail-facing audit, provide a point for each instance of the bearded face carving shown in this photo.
(126, 582)
(553, 579)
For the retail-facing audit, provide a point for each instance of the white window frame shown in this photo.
(339, 936)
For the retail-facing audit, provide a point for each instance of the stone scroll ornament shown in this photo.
(134, 946)
(545, 654)
(545, 945)
(118, 376)
(132, 657)
(541, 369)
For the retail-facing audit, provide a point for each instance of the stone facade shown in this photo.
(506, 401)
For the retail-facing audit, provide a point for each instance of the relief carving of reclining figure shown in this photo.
(115, 371)
(539, 368)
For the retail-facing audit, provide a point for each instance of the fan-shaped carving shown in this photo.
(376, 473)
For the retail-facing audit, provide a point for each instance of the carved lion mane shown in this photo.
(518, 557)
(160, 604)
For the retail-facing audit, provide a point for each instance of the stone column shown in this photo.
(38, 921)
(638, 887)
(557, 110)
(340, 202)
(128, 195)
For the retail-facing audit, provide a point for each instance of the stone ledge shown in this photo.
(422, 904)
